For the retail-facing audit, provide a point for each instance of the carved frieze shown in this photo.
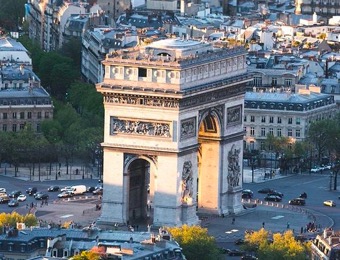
(137, 127)
(140, 100)
(234, 115)
(188, 128)
(213, 96)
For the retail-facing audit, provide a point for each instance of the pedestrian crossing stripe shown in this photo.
(66, 216)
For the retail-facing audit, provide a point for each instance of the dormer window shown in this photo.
(142, 72)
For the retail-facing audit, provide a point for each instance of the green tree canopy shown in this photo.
(195, 242)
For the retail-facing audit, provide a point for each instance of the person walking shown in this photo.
(233, 221)
(263, 224)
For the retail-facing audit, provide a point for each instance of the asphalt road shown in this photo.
(12, 184)
(316, 186)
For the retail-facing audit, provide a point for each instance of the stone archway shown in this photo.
(209, 173)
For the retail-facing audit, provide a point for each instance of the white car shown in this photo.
(315, 169)
(329, 203)
(67, 188)
(2, 190)
(22, 197)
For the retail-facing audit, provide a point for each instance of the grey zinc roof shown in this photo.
(283, 97)
(7, 43)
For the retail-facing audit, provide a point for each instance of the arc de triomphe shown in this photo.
(173, 132)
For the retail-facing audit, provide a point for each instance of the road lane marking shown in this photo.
(278, 217)
(67, 216)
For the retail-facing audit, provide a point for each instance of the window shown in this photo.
(297, 133)
(263, 131)
(263, 119)
(29, 115)
(4, 116)
(290, 132)
(279, 120)
(271, 131)
(245, 119)
(271, 119)
(142, 72)
(263, 145)
(22, 115)
(252, 118)
(47, 114)
(245, 129)
(274, 81)
(257, 81)
(22, 126)
(298, 120)
(14, 115)
(279, 132)
(252, 131)
(290, 120)
(288, 82)
(4, 128)
(39, 115)
(14, 127)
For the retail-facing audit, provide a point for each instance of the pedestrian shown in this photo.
(263, 224)
(59, 173)
(233, 221)
(288, 224)
(46, 202)
(301, 231)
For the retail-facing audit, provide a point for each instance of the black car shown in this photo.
(53, 188)
(298, 202)
(13, 203)
(247, 194)
(4, 199)
(303, 195)
(15, 194)
(276, 193)
(41, 196)
(273, 198)
(90, 189)
(31, 191)
(265, 190)
(234, 252)
(98, 191)
(239, 241)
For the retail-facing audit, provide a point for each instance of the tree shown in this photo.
(11, 14)
(195, 242)
(11, 219)
(282, 246)
(87, 255)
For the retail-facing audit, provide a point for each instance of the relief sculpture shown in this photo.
(187, 183)
(188, 128)
(234, 169)
(234, 115)
(140, 127)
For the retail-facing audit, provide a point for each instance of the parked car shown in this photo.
(298, 202)
(2, 190)
(315, 169)
(273, 198)
(14, 194)
(31, 191)
(13, 203)
(4, 199)
(22, 197)
(98, 191)
(329, 203)
(276, 193)
(65, 194)
(41, 196)
(249, 257)
(234, 252)
(53, 188)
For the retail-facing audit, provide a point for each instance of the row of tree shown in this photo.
(321, 146)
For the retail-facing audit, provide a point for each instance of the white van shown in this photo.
(78, 189)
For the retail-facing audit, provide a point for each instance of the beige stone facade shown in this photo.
(173, 132)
